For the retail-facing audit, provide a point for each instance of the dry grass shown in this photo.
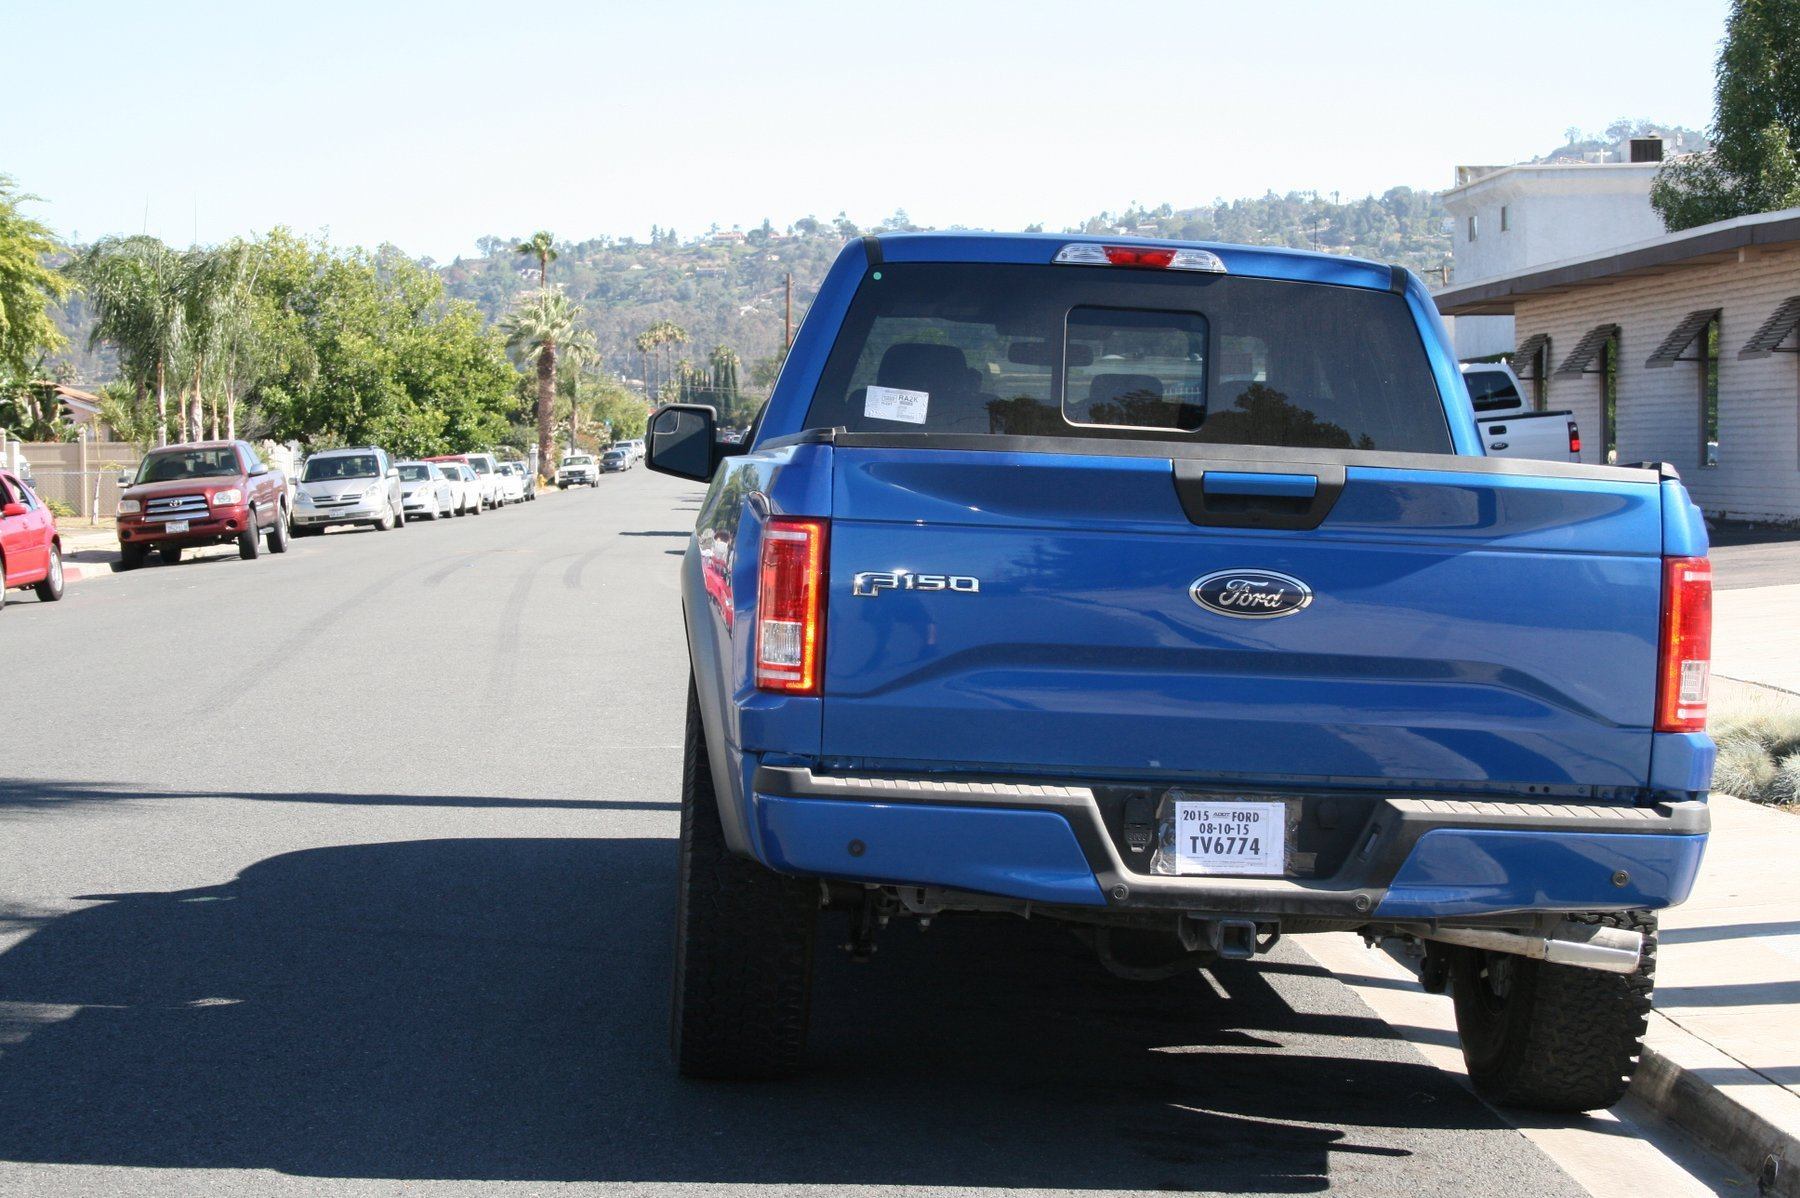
(1758, 733)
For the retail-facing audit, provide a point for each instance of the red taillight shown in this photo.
(790, 607)
(1087, 253)
(1686, 654)
(1574, 437)
(1125, 255)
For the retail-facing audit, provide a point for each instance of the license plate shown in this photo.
(176, 526)
(1230, 838)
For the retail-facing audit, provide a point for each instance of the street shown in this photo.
(350, 872)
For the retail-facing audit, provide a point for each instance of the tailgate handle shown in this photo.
(1251, 495)
(1232, 482)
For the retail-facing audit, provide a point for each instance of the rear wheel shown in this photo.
(1553, 1037)
(51, 589)
(743, 944)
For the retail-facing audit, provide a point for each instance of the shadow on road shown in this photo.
(33, 794)
(496, 1009)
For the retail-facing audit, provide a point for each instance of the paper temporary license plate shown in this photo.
(176, 526)
(1230, 838)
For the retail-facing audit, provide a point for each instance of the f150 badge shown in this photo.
(1250, 594)
(873, 582)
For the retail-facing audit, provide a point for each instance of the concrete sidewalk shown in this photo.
(1756, 635)
(1723, 1055)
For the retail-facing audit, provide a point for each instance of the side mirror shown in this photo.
(393, 472)
(261, 468)
(13, 509)
(124, 479)
(681, 441)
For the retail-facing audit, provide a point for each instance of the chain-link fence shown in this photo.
(87, 494)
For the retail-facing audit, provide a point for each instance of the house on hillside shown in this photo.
(1508, 218)
(1682, 348)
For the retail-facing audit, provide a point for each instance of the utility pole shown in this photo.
(787, 341)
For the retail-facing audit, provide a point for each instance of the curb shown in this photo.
(1754, 1123)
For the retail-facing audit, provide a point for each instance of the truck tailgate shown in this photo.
(1468, 622)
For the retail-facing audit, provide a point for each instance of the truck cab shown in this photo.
(1509, 426)
(1168, 590)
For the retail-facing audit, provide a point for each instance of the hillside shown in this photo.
(726, 288)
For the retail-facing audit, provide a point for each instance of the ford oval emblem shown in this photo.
(1251, 594)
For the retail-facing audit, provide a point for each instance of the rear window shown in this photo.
(1491, 390)
(1066, 351)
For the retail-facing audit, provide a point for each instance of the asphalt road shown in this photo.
(350, 872)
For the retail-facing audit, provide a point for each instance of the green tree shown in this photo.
(1754, 165)
(27, 288)
(360, 348)
(542, 246)
(217, 293)
(136, 286)
(538, 323)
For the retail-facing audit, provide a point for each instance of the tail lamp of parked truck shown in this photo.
(1574, 439)
(1686, 655)
(790, 607)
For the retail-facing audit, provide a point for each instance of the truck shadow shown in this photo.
(497, 1009)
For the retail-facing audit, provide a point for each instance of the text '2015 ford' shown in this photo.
(1165, 590)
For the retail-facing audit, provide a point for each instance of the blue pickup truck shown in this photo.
(1164, 590)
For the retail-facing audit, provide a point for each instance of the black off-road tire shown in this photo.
(171, 554)
(131, 556)
(1561, 1039)
(51, 589)
(249, 541)
(279, 533)
(743, 944)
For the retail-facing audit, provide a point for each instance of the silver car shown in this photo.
(348, 486)
(424, 491)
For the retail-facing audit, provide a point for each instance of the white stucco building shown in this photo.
(1682, 348)
(1509, 218)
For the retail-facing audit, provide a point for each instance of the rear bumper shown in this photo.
(1420, 858)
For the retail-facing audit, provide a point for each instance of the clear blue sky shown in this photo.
(429, 124)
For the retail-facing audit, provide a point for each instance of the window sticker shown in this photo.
(893, 403)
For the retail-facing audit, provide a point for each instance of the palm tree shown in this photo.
(660, 336)
(578, 352)
(541, 246)
(539, 323)
(218, 290)
(137, 288)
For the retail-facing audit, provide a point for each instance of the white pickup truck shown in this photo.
(1509, 427)
(577, 468)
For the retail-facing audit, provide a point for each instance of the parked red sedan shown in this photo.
(30, 547)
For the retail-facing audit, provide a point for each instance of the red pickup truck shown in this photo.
(204, 493)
